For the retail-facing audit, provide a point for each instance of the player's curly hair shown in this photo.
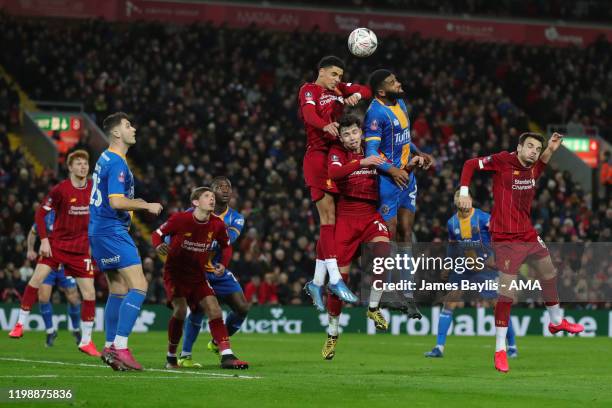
(349, 120)
(219, 179)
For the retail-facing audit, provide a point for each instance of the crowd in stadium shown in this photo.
(238, 117)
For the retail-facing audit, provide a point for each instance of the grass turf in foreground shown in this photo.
(287, 370)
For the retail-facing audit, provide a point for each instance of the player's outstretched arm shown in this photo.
(123, 203)
(553, 145)
(353, 93)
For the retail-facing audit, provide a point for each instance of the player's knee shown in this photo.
(180, 312)
(214, 312)
(242, 308)
(72, 296)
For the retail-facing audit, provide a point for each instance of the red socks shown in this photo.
(219, 333)
(334, 304)
(502, 311)
(29, 298)
(549, 291)
(88, 310)
(175, 331)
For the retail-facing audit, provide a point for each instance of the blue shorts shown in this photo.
(60, 279)
(393, 197)
(114, 251)
(225, 284)
(476, 277)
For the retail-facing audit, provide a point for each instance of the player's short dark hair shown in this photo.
(77, 154)
(331, 61)
(377, 78)
(197, 192)
(113, 120)
(219, 179)
(533, 135)
(349, 120)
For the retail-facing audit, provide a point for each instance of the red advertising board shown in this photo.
(289, 19)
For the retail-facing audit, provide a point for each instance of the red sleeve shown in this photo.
(224, 243)
(488, 163)
(168, 228)
(336, 168)
(347, 89)
(51, 202)
(312, 118)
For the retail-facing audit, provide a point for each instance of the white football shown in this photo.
(362, 42)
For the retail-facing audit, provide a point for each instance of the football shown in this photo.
(362, 42)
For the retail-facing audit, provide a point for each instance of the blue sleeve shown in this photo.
(117, 176)
(373, 136)
(235, 228)
(485, 236)
(452, 250)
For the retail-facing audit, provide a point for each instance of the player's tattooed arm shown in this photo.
(553, 145)
(31, 254)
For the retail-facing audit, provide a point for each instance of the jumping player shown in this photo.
(468, 236)
(58, 278)
(357, 219)
(515, 240)
(67, 246)
(193, 234)
(111, 203)
(387, 134)
(226, 286)
(321, 104)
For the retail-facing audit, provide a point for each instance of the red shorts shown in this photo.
(194, 292)
(75, 265)
(513, 249)
(315, 174)
(352, 231)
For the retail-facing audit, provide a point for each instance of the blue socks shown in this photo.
(74, 311)
(444, 323)
(111, 316)
(193, 324)
(233, 322)
(129, 311)
(510, 335)
(46, 310)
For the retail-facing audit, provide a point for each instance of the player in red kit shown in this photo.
(515, 240)
(192, 236)
(357, 217)
(321, 104)
(68, 246)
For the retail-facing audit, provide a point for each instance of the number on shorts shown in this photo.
(87, 264)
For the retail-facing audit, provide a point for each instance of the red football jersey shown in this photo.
(514, 187)
(71, 206)
(358, 186)
(329, 106)
(191, 243)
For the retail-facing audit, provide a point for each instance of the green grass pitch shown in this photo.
(287, 371)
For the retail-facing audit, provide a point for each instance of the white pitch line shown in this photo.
(23, 360)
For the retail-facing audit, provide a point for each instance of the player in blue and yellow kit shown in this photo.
(387, 134)
(226, 286)
(469, 237)
(114, 251)
(67, 284)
